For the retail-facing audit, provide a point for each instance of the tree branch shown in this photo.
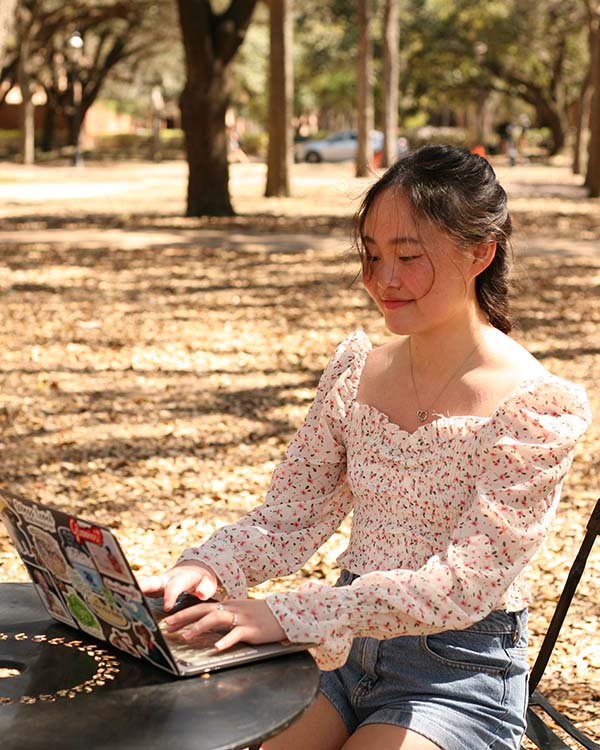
(232, 26)
(522, 84)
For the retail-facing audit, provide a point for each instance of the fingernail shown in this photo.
(218, 645)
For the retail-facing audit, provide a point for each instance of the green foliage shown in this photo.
(456, 52)
(453, 53)
(158, 60)
(250, 69)
(325, 57)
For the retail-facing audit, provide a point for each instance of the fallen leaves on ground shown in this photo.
(154, 390)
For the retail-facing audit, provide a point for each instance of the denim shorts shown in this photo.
(462, 689)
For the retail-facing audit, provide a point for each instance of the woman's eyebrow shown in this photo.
(400, 240)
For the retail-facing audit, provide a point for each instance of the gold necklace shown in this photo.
(424, 414)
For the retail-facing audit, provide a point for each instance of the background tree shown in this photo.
(364, 113)
(592, 179)
(326, 41)
(113, 32)
(540, 73)
(391, 79)
(281, 99)
(583, 117)
(210, 41)
(535, 54)
(26, 26)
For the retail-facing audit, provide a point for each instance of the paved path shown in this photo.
(285, 243)
(324, 188)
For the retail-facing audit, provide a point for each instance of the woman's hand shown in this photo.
(190, 576)
(249, 620)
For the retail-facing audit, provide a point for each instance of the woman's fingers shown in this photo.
(187, 576)
(234, 636)
(189, 615)
(200, 619)
(248, 620)
(183, 580)
(152, 585)
(191, 577)
(207, 588)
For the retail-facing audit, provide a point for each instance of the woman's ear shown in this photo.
(483, 255)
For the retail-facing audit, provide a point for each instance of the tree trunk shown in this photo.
(391, 81)
(48, 127)
(27, 126)
(583, 118)
(27, 107)
(210, 41)
(549, 116)
(281, 98)
(204, 104)
(364, 148)
(592, 179)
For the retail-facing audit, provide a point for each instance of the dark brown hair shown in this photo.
(459, 192)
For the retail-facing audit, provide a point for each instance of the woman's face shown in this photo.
(414, 272)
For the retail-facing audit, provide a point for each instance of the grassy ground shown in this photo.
(154, 367)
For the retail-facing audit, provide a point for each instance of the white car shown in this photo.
(336, 147)
(342, 146)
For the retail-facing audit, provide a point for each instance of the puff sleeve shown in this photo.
(308, 497)
(524, 452)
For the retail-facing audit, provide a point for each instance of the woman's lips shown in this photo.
(394, 304)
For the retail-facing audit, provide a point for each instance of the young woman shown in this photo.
(450, 444)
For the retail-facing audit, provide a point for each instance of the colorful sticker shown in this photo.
(135, 611)
(149, 648)
(84, 616)
(122, 640)
(49, 594)
(75, 552)
(92, 580)
(107, 610)
(16, 532)
(49, 553)
(79, 584)
(102, 547)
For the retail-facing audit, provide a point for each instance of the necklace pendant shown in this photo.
(422, 415)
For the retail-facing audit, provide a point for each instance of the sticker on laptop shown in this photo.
(86, 619)
(49, 593)
(101, 546)
(49, 553)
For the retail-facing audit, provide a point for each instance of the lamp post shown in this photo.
(76, 45)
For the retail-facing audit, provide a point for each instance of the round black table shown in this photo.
(59, 689)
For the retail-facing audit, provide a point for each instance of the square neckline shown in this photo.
(450, 420)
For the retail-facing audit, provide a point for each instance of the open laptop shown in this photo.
(84, 581)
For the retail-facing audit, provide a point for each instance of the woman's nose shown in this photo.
(388, 276)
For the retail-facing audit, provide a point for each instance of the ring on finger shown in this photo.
(234, 618)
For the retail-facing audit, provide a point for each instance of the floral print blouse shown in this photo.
(445, 518)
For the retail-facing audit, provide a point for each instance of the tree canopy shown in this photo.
(455, 56)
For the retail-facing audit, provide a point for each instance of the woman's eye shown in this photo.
(372, 258)
(409, 258)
